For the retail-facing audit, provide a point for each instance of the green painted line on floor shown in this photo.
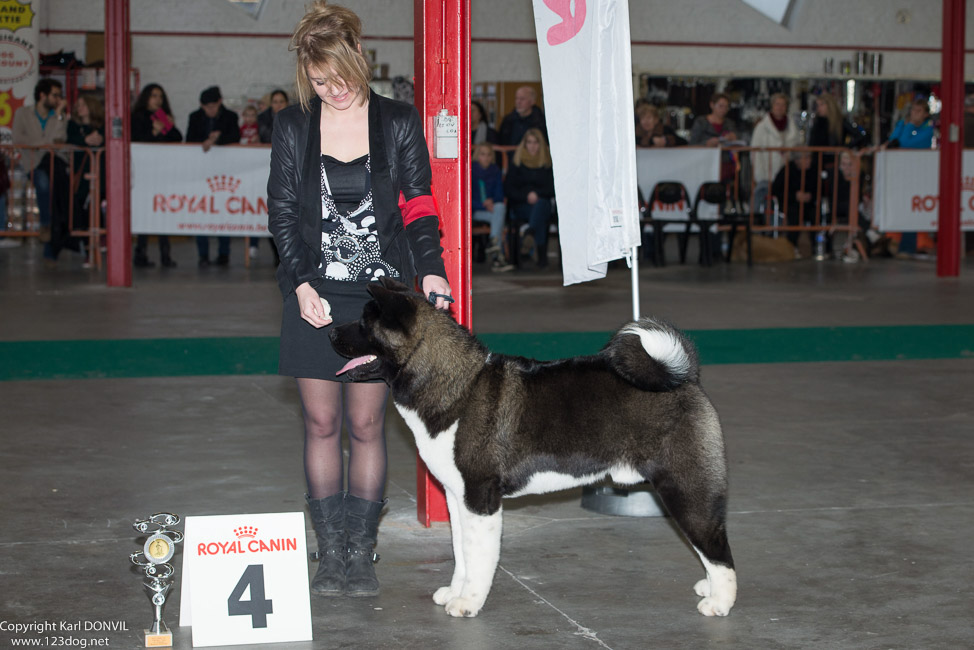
(103, 359)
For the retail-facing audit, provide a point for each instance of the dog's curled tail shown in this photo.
(672, 357)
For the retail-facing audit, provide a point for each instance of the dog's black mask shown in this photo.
(372, 342)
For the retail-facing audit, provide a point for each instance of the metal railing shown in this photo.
(80, 164)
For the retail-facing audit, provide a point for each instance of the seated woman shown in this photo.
(651, 132)
(487, 190)
(712, 129)
(530, 187)
(794, 187)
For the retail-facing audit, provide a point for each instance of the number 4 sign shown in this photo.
(245, 579)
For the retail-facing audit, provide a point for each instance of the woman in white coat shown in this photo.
(774, 130)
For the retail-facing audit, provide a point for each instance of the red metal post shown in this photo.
(952, 139)
(442, 64)
(117, 119)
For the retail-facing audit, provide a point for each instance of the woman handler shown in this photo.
(349, 202)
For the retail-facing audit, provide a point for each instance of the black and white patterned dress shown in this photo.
(350, 250)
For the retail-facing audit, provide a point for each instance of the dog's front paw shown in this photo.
(702, 588)
(463, 607)
(443, 595)
(714, 607)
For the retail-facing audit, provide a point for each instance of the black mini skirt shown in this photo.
(306, 350)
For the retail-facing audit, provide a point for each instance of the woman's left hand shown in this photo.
(436, 284)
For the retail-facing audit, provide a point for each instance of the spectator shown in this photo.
(530, 188)
(86, 129)
(794, 187)
(248, 126)
(651, 132)
(773, 130)
(213, 124)
(39, 125)
(152, 121)
(915, 132)
(265, 121)
(715, 128)
(712, 129)
(524, 116)
(831, 129)
(869, 239)
(488, 201)
(5, 242)
(481, 131)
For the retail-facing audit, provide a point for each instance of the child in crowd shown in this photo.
(249, 133)
(487, 188)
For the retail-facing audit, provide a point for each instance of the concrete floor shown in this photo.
(851, 482)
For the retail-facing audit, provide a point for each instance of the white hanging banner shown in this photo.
(178, 189)
(586, 73)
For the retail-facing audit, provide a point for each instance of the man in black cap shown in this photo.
(213, 124)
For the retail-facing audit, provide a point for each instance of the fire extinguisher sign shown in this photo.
(245, 579)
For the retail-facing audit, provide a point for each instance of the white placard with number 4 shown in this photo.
(245, 579)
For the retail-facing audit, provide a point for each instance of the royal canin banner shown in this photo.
(178, 189)
(586, 73)
(907, 191)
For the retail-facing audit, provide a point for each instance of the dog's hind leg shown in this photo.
(481, 546)
(701, 515)
(443, 595)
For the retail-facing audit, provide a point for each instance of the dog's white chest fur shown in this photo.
(436, 452)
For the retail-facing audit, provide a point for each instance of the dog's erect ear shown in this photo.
(393, 285)
(396, 308)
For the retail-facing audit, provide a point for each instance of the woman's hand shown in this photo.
(532, 197)
(436, 284)
(314, 309)
(712, 142)
(94, 139)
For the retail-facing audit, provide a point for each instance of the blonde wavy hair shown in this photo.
(522, 157)
(329, 39)
(833, 114)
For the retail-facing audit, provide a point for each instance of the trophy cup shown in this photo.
(154, 559)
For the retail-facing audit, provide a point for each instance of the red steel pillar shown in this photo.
(441, 33)
(952, 138)
(117, 120)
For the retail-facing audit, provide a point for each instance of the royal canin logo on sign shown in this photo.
(247, 542)
(209, 203)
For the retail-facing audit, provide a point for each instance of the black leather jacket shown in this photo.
(400, 164)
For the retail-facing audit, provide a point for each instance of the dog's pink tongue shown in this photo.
(357, 361)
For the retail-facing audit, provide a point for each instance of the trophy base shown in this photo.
(160, 639)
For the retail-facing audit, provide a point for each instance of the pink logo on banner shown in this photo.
(570, 24)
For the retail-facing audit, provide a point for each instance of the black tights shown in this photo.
(365, 406)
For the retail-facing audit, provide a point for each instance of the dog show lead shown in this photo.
(349, 202)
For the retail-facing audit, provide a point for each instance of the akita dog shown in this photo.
(490, 426)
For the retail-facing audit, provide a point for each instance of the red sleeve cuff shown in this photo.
(416, 208)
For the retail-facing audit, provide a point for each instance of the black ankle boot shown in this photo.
(362, 527)
(328, 517)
